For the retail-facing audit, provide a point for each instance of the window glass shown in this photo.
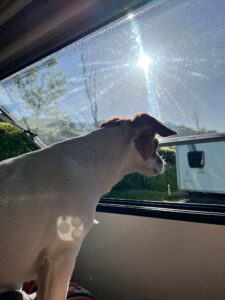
(167, 59)
(191, 176)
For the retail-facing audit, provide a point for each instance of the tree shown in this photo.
(13, 142)
(89, 76)
(196, 117)
(41, 88)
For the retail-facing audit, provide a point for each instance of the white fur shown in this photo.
(38, 189)
(158, 167)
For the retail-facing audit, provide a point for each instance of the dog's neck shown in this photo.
(112, 155)
(104, 155)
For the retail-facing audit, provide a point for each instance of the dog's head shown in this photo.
(140, 132)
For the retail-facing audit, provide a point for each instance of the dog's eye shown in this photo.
(156, 143)
(155, 146)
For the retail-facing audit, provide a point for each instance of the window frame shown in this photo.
(103, 15)
(192, 139)
(6, 117)
(189, 212)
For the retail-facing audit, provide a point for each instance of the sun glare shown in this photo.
(144, 62)
(130, 16)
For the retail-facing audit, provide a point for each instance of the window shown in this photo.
(166, 58)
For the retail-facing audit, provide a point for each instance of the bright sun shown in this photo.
(144, 62)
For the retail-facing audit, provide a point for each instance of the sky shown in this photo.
(167, 59)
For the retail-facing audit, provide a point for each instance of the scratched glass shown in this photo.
(167, 59)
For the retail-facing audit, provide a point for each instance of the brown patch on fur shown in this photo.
(144, 128)
(146, 144)
(141, 122)
(146, 121)
(113, 121)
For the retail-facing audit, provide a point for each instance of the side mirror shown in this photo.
(196, 159)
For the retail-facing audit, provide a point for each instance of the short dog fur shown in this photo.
(66, 179)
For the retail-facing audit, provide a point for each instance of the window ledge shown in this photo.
(207, 213)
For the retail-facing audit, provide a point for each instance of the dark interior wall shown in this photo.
(130, 257)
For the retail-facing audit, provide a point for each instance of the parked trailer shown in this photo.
(208, 177)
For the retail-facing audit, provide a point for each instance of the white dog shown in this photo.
(48, 199)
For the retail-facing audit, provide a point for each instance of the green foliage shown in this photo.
(40, 87)
(157, 183)
(168, 154)
(13, 142)
(55, 131)
(37, 94)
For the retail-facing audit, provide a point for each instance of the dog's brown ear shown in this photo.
(144, 121)
(145, 143)
(113, 121)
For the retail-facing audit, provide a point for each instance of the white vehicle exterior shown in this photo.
(211, 178)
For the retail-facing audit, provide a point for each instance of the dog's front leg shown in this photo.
(54, 273)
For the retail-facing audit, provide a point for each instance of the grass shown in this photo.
(144, 195)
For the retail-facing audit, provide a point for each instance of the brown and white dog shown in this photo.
(48, 198)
